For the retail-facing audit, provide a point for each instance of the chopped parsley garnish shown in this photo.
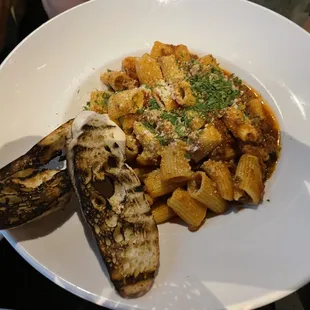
(171, 117)
(108, 70)
(153, 105)
(148, 87)
(179, 120)
(105, 98)
(149, 126)
(162, 140)
(187, 155)
(180, 131)
(213, 90)
(87, 106)
(140, 111)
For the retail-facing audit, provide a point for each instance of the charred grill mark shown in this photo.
(107, 148)
(41, 154)
(132, 279)
(112, 161)
(105, 187)
(139, 189)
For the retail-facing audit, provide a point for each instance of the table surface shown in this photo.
(21, 284)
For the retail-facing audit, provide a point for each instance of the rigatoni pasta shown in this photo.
(202, 189)
(207, 140)
(148, 70)
(170, 69)
(174, 165)
(249, 177)
(118, 80)
(162, 212)
(219, 173)
(188, 209)
(197, 136)
(126, 102)
(156, 187)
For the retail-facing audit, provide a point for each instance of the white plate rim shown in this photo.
(78, 291)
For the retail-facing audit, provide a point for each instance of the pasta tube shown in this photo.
(163, 95)
(188, 209)
(209, 138)
(99, 101)
(127, 122)
(160, 49)
(249, 178)
(255, 108)
(149, 199)
(162, 212)
(129, 66)
(156, 187)
(202, 189)
(170, 69)
(132, 148)
(174, 166)
(183, 94)
(118, 80)
(182, 53)
(125, 102)
(240, 125)
(148, 70)
(219, 173)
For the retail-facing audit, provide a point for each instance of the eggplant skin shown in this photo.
(20, 204)
(29, 191)
(113, 204)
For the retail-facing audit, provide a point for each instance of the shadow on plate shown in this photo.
(294, 162)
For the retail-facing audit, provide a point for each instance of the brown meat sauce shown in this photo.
(270, 130)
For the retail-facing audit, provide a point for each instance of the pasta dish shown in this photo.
(197, 136)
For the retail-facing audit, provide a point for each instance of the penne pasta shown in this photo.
(156, 187)
(125, 102)
(118, 80)
(219, 173)
(183, 94)
(170, 69)
(249, 178)
(148, 70)
(174, 166)
(202, 189)
(188, 209)
(162, 212)
(129, 66)
(240, 125)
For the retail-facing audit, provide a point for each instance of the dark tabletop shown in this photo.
(21, 286)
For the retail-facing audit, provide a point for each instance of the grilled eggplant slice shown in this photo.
(28, 190)
(113, 203)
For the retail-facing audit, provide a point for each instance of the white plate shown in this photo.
(236, 261)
